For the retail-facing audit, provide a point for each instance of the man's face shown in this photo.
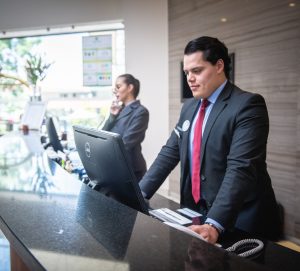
(202, 77)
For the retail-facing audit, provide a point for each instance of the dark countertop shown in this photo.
(55, 222)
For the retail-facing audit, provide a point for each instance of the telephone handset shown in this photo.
(246, 247)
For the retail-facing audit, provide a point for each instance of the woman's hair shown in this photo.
(130, 79)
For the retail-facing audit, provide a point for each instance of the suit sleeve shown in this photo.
(135, 133)
(247, 151)
(164, 163)
(166, 160)
(109, 122)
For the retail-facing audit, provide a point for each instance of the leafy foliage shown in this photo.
(12, 54)
(12, 51)
(36, 68)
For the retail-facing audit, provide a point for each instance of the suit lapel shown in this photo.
(218, 107)
(127, 110)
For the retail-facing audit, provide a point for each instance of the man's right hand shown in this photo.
(209, 233)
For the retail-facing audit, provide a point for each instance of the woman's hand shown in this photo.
(116, 107)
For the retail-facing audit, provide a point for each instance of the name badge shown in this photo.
(185, 125)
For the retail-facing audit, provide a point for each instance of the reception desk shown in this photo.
(53, 221)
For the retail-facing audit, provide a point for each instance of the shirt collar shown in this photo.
(131, 102)
(214, 96)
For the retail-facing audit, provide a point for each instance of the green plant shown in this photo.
(36, 68)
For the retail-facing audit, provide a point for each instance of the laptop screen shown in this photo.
(104, 158)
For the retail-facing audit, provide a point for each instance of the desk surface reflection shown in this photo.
(55, 222)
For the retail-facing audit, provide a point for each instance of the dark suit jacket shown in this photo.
(235, 186)
(131, 124)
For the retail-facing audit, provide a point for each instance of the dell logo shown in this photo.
(87, 149)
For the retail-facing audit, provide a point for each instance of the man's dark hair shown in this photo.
(130, 79)
(212, 49)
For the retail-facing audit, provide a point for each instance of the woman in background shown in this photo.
(129, 119)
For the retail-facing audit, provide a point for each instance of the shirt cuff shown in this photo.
(216, 224)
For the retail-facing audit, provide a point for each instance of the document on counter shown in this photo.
(188, 212)
(168, 215)
(188, 231)
(185, 229)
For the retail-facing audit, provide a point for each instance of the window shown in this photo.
(62, 87)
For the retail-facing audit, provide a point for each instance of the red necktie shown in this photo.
(196, 152)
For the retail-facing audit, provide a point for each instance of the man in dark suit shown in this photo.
(235, 188)
(129, 119)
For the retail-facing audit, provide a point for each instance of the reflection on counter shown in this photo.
(103, 224)
(25, 167)
(59, 262)
(203, 258)
(55, 222)
(4, 253)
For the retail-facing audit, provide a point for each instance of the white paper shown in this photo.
(185, 229)
(33, 115)
(166, 214)
(97, 60)
(188, 212)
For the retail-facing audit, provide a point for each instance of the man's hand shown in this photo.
(209, 233)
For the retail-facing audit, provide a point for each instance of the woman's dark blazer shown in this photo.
(131, 123)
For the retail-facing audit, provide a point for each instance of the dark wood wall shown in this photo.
(265, 37)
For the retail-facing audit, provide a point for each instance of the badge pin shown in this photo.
(186, 125)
